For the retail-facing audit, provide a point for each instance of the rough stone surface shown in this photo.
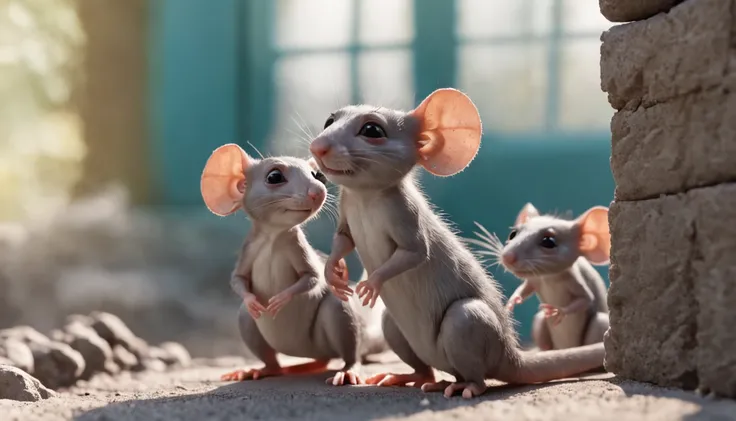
(715, 210)
(674, 146)
(684, 51)
(672, 273)
(115, 332)
(57, 364)
(17, 385)
(175, 354)
(18, 353)
(630, 10)
(652, 305)
(95, 350)
(124, 358)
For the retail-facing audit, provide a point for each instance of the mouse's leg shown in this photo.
(597, 327)
(258, 346)
(338, 321)
(422, 372)
(470, 335)
(540, 332)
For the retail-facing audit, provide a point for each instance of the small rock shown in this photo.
(18, 353)
(95, 350)
(57, 364)
(124, 358)
(176, 353)
(154, 364)
(16, 384)
(114, 331)
(26, 334)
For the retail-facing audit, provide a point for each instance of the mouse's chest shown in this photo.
(369, 230)
(272, 272)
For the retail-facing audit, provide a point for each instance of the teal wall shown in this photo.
(212, 82)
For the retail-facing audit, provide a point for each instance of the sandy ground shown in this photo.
(196, 394)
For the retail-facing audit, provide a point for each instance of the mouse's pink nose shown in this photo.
(319, 147)
(508, 258)
(315, 194)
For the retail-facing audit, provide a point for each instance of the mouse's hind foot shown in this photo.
(253, 374)
(344, 377)
(469, 389)
(390, 379)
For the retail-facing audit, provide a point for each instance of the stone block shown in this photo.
(652, 304)
(683, 51)
(630, 10)
(715, 266)
(674, 146)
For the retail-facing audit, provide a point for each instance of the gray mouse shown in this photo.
(443, 310)
(287, 306)
(554, 257)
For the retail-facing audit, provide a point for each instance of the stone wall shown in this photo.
(670, 76)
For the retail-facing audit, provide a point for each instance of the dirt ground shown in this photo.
(196, 394)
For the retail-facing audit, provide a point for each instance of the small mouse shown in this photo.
(443, 310)
(554, 258)
(287, 306)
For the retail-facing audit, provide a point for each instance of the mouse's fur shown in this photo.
(548, 254)
(443, 310)
(279, 275)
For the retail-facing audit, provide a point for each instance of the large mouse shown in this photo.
(554, 257)
(443, 310)
(287, 306)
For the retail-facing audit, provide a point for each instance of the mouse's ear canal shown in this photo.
(450, 132)
(595, 237)
(223, 179)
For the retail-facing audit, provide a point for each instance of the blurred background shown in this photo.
(109, 110)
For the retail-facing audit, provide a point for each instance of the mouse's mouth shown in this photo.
(332, 171)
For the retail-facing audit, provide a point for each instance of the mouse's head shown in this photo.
(544, 244)
(281, 192)
(372, 147)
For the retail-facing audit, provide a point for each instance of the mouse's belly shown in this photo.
(372, 244)
(570, 331)
(291, 332)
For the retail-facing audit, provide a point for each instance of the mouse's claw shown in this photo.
(389, 379)
(469, 389)
(344, 377)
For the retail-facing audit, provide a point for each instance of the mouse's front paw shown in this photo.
(335, 276)
(554, 314)
(369, 290)
(278, 301)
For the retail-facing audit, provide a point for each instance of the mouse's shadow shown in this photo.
(300, 397)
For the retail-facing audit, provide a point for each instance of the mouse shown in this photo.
(554, 258)
(286, 306)
(443, 310)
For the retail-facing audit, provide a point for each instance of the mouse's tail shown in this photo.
(541, 366)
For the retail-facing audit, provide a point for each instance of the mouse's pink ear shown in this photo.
(450, 131)
(595, 238)
(223, 179)
(528, 211)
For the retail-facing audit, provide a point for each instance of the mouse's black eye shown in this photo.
(548, 242)
(275, 177)
(372, 130)
(320, 177)
(512, 234)
(329, 122)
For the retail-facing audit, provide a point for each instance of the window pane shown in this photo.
(386, 78)
(582, 103)
(386, 21)
(313, 23)
(308, 88)
(488, 18)
(583, 16)
(508, 84)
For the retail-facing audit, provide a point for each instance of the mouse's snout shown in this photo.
(316, 195)
(319, 147)
(508, 258)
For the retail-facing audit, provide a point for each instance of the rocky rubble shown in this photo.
(84, 346)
